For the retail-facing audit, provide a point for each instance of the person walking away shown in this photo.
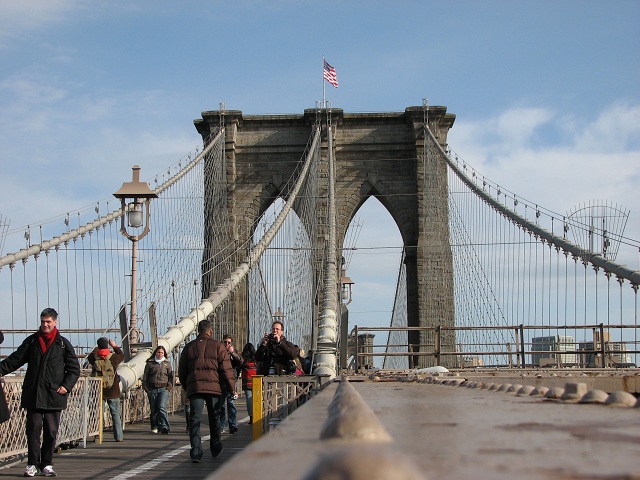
(228, 410)
(52, 371)
(249, 369)
(275, 353)
(157, 381)
(104, 363)
(204, 367)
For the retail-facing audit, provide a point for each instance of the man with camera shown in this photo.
(275, 353)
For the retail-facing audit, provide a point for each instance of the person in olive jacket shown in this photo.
(204, 367)
(52, 371)
(104, 363)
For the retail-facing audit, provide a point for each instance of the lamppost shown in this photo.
(345, 295)
(278, 316)
(346, 284)
(135, 197)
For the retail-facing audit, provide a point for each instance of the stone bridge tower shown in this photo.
(376, 154)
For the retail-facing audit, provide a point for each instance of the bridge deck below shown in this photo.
(446, 432)
(452, 433)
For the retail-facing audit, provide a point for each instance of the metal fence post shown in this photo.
(603, 361)
(85, 406)
(524, 363)
(258, 414)
(437, 345)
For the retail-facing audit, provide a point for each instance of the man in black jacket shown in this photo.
(275, 353)
(52, 371)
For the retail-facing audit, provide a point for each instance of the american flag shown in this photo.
(330, 74)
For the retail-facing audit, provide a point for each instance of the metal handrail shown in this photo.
(435, 350)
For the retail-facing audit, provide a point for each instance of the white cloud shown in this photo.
(21, 17)
(615, 130)
(599, 160)
(516, 127)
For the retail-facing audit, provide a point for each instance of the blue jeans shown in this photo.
(158, 398)
(228, 411)
(198, 402)
(114, 408)
(248, 395)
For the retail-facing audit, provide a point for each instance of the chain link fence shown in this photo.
(80, 422)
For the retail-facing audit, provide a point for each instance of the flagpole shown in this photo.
(324, 98)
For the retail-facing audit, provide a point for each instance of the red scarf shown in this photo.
(46, 339)
(103, 352)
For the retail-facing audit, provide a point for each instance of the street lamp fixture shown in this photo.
(135, 197)
(278, 316)
(346, 284)
(345, 299)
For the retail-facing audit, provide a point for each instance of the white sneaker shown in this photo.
(48, 471)
(31, 471)
(154, 430)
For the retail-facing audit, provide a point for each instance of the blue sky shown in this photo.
(546, 93)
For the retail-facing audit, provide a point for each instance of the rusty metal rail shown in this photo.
(600, 355)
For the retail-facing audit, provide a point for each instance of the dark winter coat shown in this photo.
(278, 355)
(204, 365)
(46, 372)
(116, 358)
(157, 375)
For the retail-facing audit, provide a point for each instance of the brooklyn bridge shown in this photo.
(256, 224)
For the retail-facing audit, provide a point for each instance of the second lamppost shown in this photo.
(135, 197)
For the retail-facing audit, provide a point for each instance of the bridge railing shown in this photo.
(276, 397)
(555, 346)
(81, 421)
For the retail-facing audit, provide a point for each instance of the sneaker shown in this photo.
(233, 429)
(48, 471)
(154, 430)
(165, 430)
(195, 460)
(216, 449)
(31, 471)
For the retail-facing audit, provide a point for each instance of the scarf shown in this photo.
(158, 360)
(46, 339)
(103, 352)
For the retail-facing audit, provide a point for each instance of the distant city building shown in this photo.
(365, 345)
(553, 343)
(471, 362)
(615, 355)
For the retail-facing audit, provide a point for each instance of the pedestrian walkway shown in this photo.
(144, 455)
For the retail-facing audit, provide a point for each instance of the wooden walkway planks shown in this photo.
(144, 455)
